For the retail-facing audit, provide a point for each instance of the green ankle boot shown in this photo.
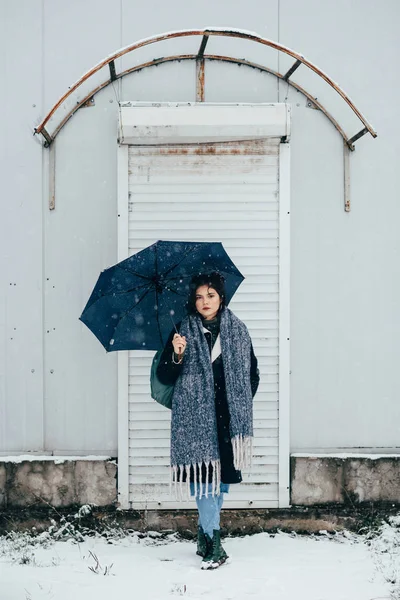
(216, 555)
(219, 556)
(201, 542)
(207, 559)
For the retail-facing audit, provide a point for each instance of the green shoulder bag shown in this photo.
(159, 392)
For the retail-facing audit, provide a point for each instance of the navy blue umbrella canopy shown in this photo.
(135, 303)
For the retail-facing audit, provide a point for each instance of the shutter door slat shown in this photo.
(266, 242)
(218, 189)
(239, 184)
(148, 461)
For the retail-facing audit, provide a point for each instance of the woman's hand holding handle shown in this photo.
(179, 344)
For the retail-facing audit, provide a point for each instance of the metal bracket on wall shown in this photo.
(113, 73)
(292, 69)
(346, 172)
(52, 177)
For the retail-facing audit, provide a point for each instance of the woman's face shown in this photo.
(208, 302)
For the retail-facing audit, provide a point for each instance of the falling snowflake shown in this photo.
(139, 319)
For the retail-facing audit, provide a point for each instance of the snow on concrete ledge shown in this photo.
(343, 455)
(56, 459)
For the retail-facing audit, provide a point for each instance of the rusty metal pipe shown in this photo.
(228, 59)
(208, 32)
(200, 79)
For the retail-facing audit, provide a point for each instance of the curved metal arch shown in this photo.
(200, 56)
(184, 57)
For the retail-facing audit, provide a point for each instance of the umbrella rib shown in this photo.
(133, 273)
(122, 293)
(140, 300)
(156, 259)
(179, 262)
(156, 290)
(174, 291)
(132, 307)
(187, 276)
(158, 322)
(150, 287)
(134, 289)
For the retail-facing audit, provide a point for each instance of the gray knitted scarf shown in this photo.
(194, 439)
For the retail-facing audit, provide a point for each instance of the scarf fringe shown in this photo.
(181, 489)
(242, 459)
(242, 452)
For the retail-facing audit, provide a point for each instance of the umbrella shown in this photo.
(136, 302)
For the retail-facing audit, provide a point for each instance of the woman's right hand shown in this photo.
(179, 344)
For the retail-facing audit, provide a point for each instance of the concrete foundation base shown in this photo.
(347, 480)
(58, 482)
(327, 493)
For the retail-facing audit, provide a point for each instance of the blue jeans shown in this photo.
(209, 508)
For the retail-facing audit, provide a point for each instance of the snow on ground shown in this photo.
(263, 567)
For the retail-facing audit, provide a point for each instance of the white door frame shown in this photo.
(188, 129)
(123, 357)
(284, 327)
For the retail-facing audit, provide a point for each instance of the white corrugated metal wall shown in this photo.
(58, 389)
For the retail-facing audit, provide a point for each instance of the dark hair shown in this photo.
(212, 280)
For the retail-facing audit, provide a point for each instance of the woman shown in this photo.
(212, 365)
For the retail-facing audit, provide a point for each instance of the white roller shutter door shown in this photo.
(226, 192)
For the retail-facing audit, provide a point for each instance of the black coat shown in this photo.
(168, 372)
